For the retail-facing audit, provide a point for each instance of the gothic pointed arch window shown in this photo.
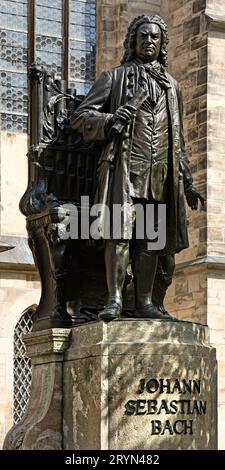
(22, 371)
(60, 34)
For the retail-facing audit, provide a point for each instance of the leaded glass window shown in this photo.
(82, 44)
(22, 372)
(13, 65)
(61, 34)
(49, 31)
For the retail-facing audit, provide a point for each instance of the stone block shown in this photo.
(198, 5)
(121, 379)
(191, 28)
(41, 426)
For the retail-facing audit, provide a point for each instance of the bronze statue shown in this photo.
(136, 111)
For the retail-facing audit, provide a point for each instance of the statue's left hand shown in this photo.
(193, 196)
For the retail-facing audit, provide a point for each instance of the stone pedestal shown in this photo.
(140, 385)
(129, 384)
(41, 426)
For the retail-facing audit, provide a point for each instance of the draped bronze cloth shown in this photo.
(113, 89)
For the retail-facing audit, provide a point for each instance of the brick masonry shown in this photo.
(187, 63)
(188, 58)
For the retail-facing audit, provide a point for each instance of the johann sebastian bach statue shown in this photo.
(136, 111)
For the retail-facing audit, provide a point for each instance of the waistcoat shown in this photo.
(149, 154)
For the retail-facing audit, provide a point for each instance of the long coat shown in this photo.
(113, 89)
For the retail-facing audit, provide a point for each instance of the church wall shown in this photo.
(18, 290)
(13, 150)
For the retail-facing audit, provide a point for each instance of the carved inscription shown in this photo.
(186, 406)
